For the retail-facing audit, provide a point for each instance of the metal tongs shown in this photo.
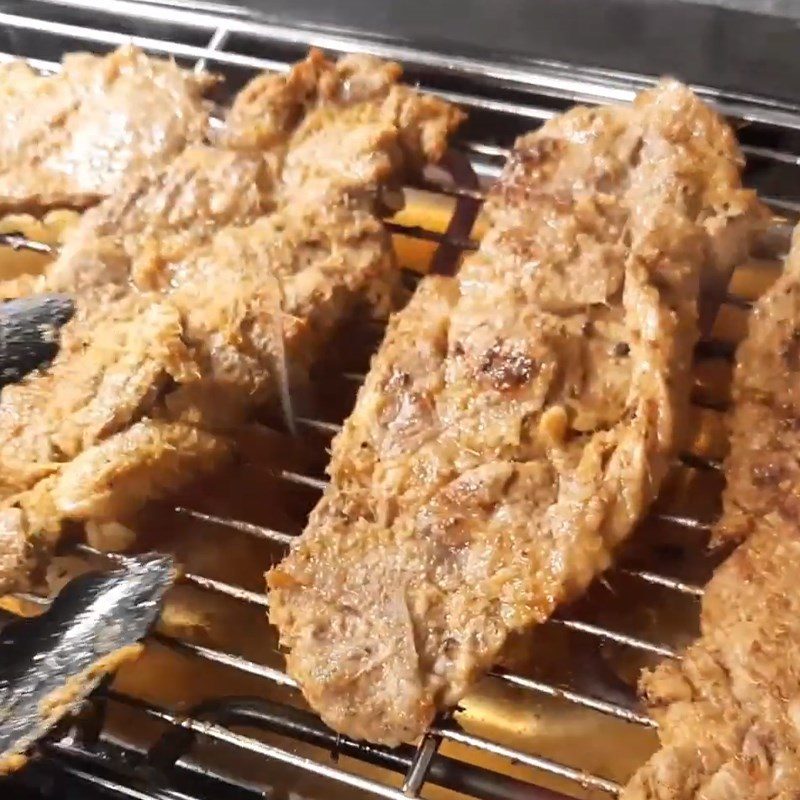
(50, 663)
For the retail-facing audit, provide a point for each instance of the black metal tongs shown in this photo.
(50, 663)
(29, 333)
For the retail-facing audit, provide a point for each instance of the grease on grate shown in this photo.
(251, 490)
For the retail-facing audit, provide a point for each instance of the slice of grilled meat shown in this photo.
(204, 289)
(72, 138)
(517, 420)
(763, 469)
(729, 711)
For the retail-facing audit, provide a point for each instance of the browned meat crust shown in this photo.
(72, 138)
(763, 469)
(199, 285)
(730, 709)
(518, 420)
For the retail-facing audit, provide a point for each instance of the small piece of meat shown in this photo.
(729, 711)
(517, 420)
(202, 290)
(73, 138)
(763, 468)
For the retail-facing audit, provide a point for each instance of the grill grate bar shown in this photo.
(254, 598)
(420, 765)
(683, 521)
(445, 731)
(228, 660)
(577, 698)
(547, 78)
(614, 636)
(222, 734)
(530, 684)
(100, 36)
(281, 678)
(16, 241)
(245, 527)
(431, 236)
(287, 539)
(585, 779)
(303, 480)
(202, 582)
(320, 425)
(118, 789)
(782, 204)
(501, 153)
(665, 581)
(216, 42)
(214, 51)
(42, 65)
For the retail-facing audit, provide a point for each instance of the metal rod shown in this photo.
(227, 659)
(215, 43)
(16, 241)
(245, 527)
(613, 636)
(604, 707)
(101, 36)
(585, 779)
(665, 581)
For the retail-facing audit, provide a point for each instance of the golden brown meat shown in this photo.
(201, 287)
(517, 420)
(729, 711)
(763, 468)
(72, 138)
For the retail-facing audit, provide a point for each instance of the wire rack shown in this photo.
(197, 749)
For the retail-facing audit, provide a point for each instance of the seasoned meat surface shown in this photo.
(72, 138)
(517, 420)
(203, 291)
(729, 710)
(763, 469)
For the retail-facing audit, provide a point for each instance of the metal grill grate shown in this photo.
(457, 757)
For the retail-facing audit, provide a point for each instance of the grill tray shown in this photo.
(208, 712)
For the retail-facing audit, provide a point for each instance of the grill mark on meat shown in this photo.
(504, 369)
(204, 287)
(539, 447)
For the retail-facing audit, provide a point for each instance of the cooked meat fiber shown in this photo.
(763, 468)
(200, 288)
(729, 711)
(275, 152)
(72, 138)
(517, 420)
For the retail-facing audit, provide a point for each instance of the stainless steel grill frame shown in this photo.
(503, 100)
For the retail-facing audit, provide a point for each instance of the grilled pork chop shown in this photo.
(199, 288)
(517, 421)
(72, 138)
(729, 711)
